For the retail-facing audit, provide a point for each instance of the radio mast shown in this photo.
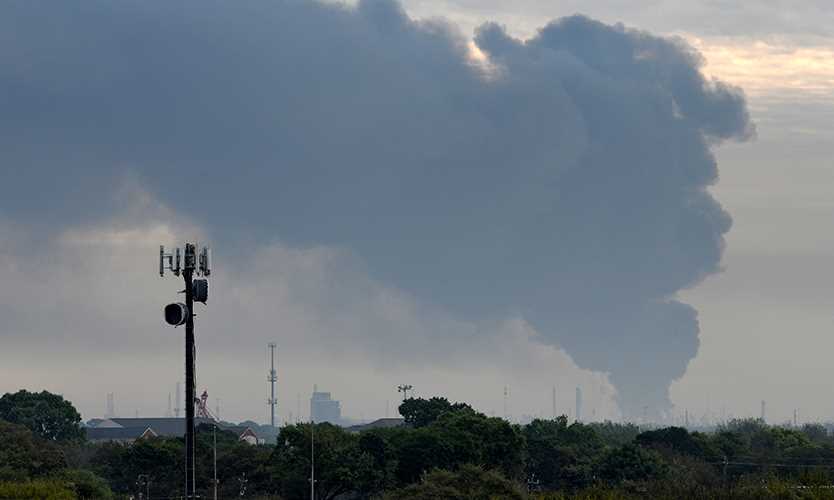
(272, 378)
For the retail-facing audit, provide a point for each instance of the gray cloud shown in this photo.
(809, 21)
(565, 183)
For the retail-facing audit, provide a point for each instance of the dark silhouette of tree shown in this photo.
(469, 482)
(418, 412)
(23, 456)
(49, 416)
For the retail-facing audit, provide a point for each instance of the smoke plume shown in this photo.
(562, 178)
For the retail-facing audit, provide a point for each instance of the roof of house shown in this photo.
(115, 433)
(131, 429)
(164, 426)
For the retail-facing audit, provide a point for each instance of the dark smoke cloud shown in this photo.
(566, 180)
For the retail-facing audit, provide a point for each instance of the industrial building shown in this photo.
(323, 408)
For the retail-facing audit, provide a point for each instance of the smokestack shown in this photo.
(554, 402)
(178, 406)
(763, 411)
(578, 412)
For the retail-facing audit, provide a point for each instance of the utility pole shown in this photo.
(178, 314)
(190, 457)
(272, 378)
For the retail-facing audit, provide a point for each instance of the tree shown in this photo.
(632, 463)
(85, 484)
(341, 466)
(674, 438)
(469, 482)
(422, 412)
(418, 451)
(561, 456)
(23, 456)
(487, 441)
(40, 489)
(159, 459)
(47, 415)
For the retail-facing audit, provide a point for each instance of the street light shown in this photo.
(187, 263)
(404, 389)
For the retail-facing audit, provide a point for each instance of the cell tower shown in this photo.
(272, 378)
(763, 411)
(578, 412)
(194, 267)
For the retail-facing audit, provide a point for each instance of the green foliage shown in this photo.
(24, 456)
(673, 438)
(468, 482)
(36, 490)
(341, 465)
(561, 456)
(614, 433)
(236, 462)
(49, 416)
(632, 463)
(422, 412)
(447, 451)
(85, 484)
(161, 460)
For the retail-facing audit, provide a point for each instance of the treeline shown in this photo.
(444, 451)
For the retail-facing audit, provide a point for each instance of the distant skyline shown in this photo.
(89, 195)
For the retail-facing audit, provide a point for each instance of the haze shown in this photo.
(463, 196)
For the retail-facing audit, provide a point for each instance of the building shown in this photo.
(128, 430)
(323, 408)
(382, 423)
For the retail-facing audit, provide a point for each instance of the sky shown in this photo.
(402, 194)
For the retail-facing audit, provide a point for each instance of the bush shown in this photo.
(467, 483)
(85, 484)
(40, 490)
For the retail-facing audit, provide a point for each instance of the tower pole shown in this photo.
(273, 377)
(190, 482)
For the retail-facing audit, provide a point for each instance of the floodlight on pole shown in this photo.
(404, 389)
(187, 263)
